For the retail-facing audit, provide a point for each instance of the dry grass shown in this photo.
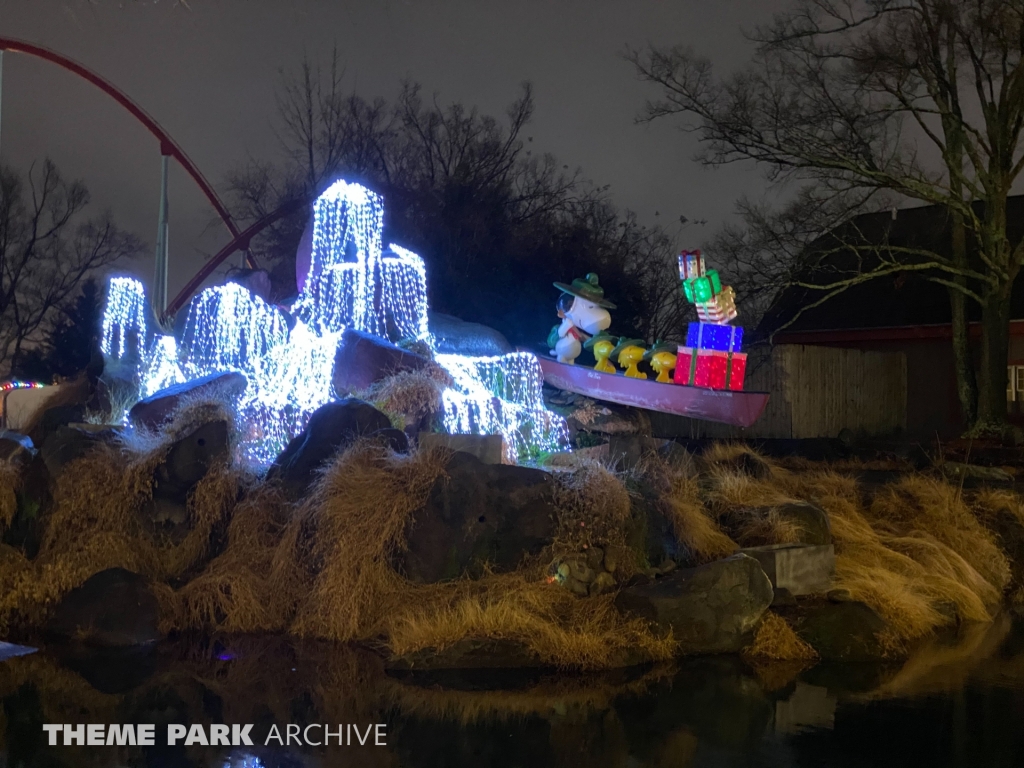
(775, 640)
(10, 480)
(910, 554)
(593, 510)
(409, 395)
(691, 523)
(95, 523)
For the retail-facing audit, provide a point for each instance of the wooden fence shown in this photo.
(815, 392)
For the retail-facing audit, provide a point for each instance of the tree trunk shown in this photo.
(995, 343)
(966, 383)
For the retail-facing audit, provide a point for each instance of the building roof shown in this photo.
(906, 299)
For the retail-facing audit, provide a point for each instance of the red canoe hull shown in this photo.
(741, 409)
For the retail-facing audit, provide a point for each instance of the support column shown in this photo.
(160, 278)
(1, 93)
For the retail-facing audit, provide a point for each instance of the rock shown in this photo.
(840, 596)
(394, 439)
(114, 607)
(603, 583)
(457, 337)
(332, 428)
(958, 471)
(813, 522)
(68, 443)
(16, 448)
(187, 462)
(153, 411)
(581, 571)
(490, 449)
(586, 415)
(847, 631)
(475, 514)
(712, 608)
(595, 558)
(363, 359)
(783, 597)
(802, 569)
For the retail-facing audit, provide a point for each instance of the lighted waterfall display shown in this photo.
(288, 357)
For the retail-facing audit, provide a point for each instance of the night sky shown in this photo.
(208, 74)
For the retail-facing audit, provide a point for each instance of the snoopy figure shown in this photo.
(583, 310)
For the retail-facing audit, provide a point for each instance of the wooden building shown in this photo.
(878, 357)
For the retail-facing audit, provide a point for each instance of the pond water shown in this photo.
(958, 701)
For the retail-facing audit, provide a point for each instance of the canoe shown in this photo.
(740, 409)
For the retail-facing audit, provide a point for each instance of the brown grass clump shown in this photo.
(95, 522)
(10, 479)
(777, 641)
(411, 395)
(593, 510)
(692, 524)
(899, 555)
(918, 503)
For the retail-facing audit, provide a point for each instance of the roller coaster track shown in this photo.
(168, 147)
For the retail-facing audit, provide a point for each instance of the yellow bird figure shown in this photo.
(627, 353)
(662, 358)
(601, 345)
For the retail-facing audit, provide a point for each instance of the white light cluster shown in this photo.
(344, 267)
(351, 282)
(405, 293)
(230, 329)
(502, 395)
(124, 320)
(162, 367)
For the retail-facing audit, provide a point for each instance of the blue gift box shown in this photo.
(723, 338)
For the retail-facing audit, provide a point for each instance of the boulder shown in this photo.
(114, 607)
(587, 415)
(712, 608)
(332, 427)
(68, 443)
(839, 631)
(392, 438)
(153, 411)
(457, 337)
(959, 472)
(187, 462)
(16, 448)
(363, 359)
(801, 569)
(490, 449)
(478, 513)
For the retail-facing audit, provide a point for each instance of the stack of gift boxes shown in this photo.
(712, 356)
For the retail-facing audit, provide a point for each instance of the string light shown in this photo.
(230, 329)
(124, 320)
(162, 368)
(351, 282)
(405, 293)
(9, 386)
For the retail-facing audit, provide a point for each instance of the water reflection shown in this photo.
(958, 701)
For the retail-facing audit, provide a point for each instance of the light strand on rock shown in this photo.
(124, 330)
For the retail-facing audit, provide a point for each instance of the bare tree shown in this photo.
(46, 252)
(867, 103)
(496, 221)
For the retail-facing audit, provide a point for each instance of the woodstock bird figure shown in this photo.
(602, 345)
(628, 353)
(584, 312)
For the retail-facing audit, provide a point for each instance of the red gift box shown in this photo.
(710, 368)
(737, 371)
(685, 362)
